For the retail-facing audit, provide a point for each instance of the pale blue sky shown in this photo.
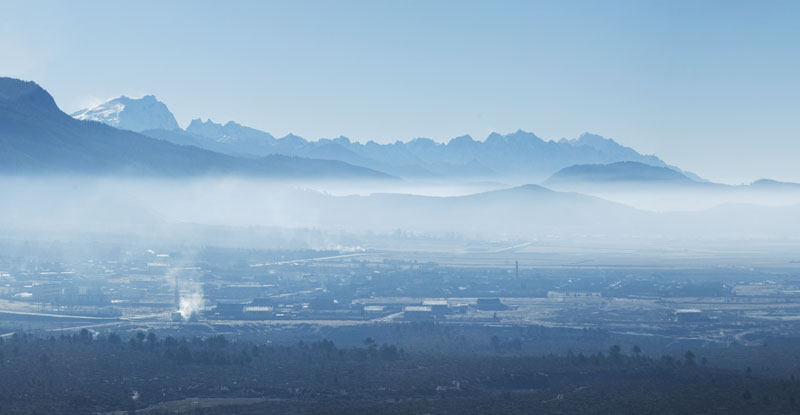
(712, 86)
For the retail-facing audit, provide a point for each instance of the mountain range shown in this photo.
(141, 136)
(530, 212)
(516, 157)
(37, 137)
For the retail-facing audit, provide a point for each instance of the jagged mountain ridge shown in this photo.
(518, 156)
(36, 137)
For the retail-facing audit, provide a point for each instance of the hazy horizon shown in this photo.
(150, 265)
(709, 87)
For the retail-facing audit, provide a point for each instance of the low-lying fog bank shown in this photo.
(205, 210)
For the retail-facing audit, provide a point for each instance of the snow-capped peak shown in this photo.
(145, 113)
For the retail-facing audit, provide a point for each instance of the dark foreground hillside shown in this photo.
(77, 374)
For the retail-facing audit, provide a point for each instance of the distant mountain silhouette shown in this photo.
(623, 171)
(235, 138)
(145, 113)
(520, 210)
(519, 156)
(664, 189)
(767, 184)
(533, 210)
(629, 174)
(37, 137)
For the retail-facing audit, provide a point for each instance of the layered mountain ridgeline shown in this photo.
(631, 173)
(661, 188)
(520, 156)
(231, 206)
(36, 137)
(517, 156)
(640, 185)
(528, 209)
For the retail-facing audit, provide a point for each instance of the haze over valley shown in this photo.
(437, 208)
(139, 168)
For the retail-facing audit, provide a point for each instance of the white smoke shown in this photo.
(182, 278)
(192, 303)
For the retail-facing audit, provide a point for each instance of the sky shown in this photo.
(710, 86)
